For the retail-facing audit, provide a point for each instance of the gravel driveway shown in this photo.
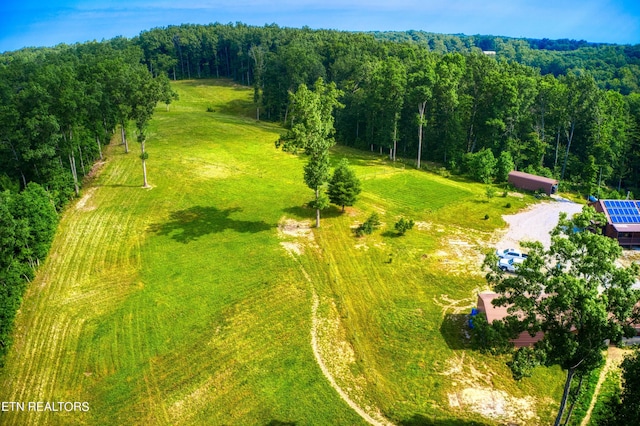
(535, 223)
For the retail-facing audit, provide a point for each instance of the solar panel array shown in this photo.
(623, 211)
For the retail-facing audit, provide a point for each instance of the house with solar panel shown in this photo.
(623, 220)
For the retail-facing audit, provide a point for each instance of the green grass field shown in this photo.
(190, 303)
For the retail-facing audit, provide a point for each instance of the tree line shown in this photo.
(411, 97)
(615, 67)
(58, 108)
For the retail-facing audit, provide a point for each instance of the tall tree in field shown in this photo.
(148, 91)
(344, 185)
(573, 293)
(312, 130)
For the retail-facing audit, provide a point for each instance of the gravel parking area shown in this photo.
(535, 223)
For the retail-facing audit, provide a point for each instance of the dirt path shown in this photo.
(614, 357)
(298, 236)
(316, 352)
(323, 367)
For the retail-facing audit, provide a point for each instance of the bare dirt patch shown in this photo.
(494, 404)
(474, 392)
(424, 226)
(294, 228)
(95, 169)
(462, 252)
(449, 305)
(292, 247)
(628, 257)
(82, 203)
(299, 231)
(351, 211)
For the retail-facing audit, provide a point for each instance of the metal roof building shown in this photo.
(531, 182)
(623, 220)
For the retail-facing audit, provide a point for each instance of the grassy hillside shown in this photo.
(191, 302)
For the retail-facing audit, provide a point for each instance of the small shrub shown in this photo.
(508, 205)
(491, 192)
(368, 226)
(403, 225)
(210, 109)
(505, 193)
(486, 216)
(442, 171)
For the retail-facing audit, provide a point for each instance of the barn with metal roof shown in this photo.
(531, 182)
(623, 220)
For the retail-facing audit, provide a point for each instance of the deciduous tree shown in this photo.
(572, 292)
(312, 131)
(626, 409)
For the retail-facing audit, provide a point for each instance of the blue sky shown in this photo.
(50, 22)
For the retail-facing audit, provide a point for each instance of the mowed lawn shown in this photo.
(179, 304)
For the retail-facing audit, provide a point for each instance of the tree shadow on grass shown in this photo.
(306, 212)
(391, 234)
(455, 331)
(190, 224)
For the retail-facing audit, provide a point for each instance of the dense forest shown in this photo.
(480, 105)
(572, 112)
(58, 107)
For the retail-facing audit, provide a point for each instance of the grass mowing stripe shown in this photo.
(178, 305)
(187, 299)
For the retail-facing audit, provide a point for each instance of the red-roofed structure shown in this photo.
(531, 182)
(494, 313)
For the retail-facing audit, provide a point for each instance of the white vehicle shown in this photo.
(510, 265)
(510, 254)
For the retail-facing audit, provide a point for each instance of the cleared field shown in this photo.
(191, 302)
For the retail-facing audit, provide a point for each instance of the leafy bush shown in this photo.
(403, 225)
(27, 225)
(481, 165)
(504, 166)
(368, 226)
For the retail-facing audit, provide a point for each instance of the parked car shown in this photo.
(510, 254)
(510, 265)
